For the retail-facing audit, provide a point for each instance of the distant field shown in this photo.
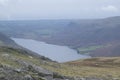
(87, 50)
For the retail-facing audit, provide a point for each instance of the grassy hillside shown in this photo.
(20, 64)
(100, 67)
(112, 50)
(17, 64)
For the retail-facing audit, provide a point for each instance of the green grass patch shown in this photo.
(87, 50)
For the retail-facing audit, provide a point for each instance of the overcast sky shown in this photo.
(58, 9)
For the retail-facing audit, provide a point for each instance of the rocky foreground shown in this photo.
(37, 73)
(18, 64)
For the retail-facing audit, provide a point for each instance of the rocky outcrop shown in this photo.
(29, 72)
(37, 73)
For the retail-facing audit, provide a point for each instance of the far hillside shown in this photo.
(6, 41)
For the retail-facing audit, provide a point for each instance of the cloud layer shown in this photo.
(58, 9)
(3, 2)
(110, 8)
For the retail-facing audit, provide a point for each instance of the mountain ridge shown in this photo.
(73, 33)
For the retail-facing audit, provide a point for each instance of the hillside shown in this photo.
(63, 32)
(6, 41)
(101, 67)
(90, 32)
(16, 64)
(21, 64)
(110, 51)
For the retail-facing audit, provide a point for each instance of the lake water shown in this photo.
(54, 52)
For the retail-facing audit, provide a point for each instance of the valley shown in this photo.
(54, 52)
(22, 59)
(73, 33)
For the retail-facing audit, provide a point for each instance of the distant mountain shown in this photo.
(6, 41)
(93, 32)
(111, 51)
(73, 33)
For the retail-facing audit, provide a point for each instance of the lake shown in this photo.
(54, 52)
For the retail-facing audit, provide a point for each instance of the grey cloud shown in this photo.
(42, 9)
